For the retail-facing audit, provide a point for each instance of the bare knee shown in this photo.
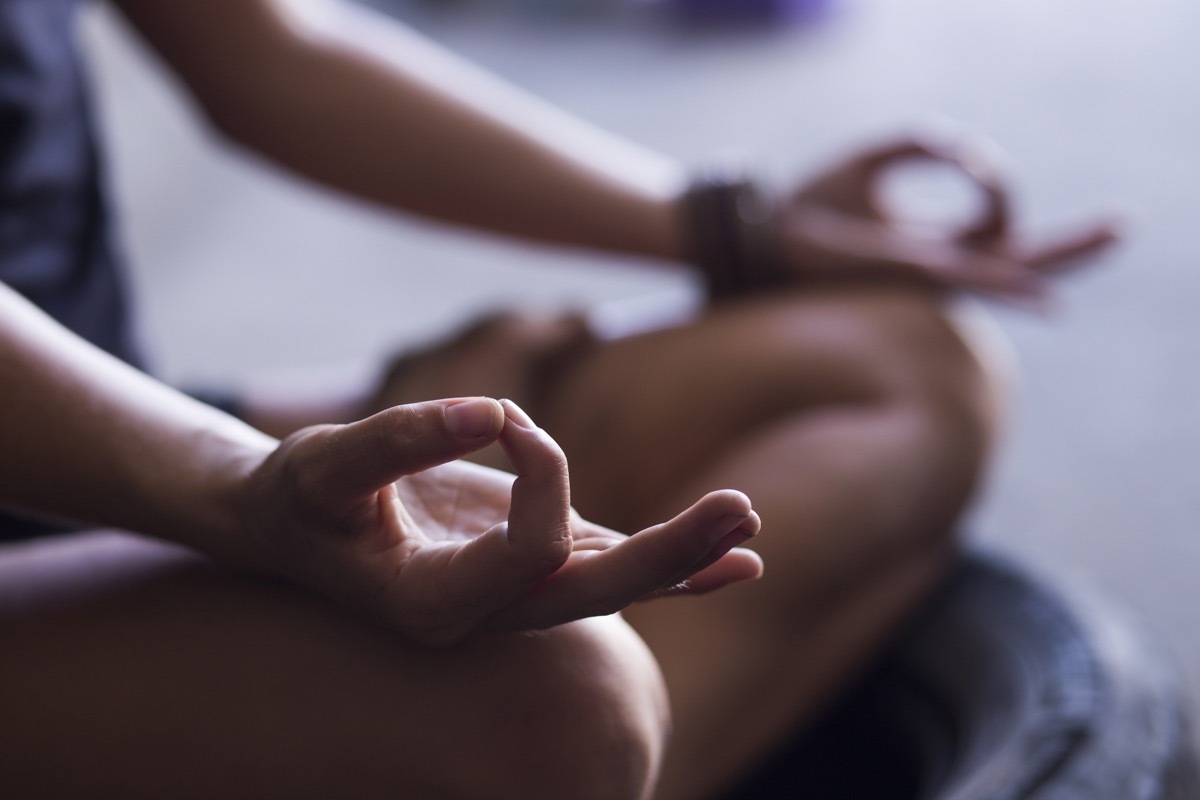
(938, 369)
(936, 365)
(860, 348)
(588, 717)
(893, 346)
(948, 374)
(900, 374)
(578, 711)
(129, 689)
(880, 349)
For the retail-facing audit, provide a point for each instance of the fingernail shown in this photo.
(517, 416)
(472, 419)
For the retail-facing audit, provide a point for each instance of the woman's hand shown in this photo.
(835, 227)
(380, 515)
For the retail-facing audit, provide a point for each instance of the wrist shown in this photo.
(230, 498)
(209, 510)
(732, 232)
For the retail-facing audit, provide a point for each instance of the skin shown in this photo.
(359, 104)
(855, 413)
(874, 432)
(377, 518)
(868, 426)
(132, 668)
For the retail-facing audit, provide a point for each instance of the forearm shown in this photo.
(369, 108)
(87, 438)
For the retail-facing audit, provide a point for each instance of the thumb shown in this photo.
(363, 457)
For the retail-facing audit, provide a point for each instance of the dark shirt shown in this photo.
(55, 246)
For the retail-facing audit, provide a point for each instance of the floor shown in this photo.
(242, 272)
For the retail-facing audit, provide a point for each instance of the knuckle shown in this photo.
(552, 455)
(553, 553)
(545, 554)
(555, 468)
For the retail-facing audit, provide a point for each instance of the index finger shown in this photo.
(498, 567)
(995, 219)
(969, 155)
(880, 156)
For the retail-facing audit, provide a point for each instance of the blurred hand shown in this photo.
(836, 228)
(380, 515)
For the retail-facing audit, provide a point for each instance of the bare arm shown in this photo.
(363, 105)
(87, 438)
(355, 101)
(377, 514)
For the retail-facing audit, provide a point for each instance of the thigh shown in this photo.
(642, 418)
(130, 668)
(857, 421)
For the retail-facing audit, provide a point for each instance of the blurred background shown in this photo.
(242, 273)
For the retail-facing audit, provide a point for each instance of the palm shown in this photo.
(455, 502)
(440, 549)
(442, 511)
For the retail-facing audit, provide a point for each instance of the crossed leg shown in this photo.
(858, 420)
(134, 669)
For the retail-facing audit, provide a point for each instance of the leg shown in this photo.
(857, 421)
(134, 669)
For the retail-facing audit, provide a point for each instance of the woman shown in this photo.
(826, 381)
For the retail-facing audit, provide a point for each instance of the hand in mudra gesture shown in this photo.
(380, 515)
(836, 227)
